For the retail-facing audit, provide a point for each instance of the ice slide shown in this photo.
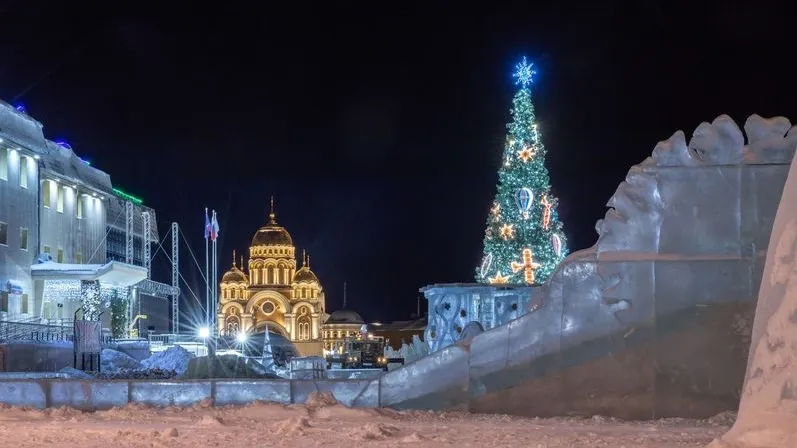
(653, 321)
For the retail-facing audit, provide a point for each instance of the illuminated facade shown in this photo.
(341, 326)
(271, 293)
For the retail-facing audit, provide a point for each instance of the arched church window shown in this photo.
(270, 275)
(233, 326)
(304, 328)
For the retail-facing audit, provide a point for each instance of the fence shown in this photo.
(36, 329)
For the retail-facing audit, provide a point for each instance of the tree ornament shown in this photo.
(507, 231)
(546, 212)
(486, 264)
(525, 154)
(524, 72)
(556, 243)
(527, 266)
(498, 279)
(496, 211)
(523, 200)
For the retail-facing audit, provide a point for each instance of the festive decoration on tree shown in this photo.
(523, 242)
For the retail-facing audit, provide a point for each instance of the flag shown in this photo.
(208, 226)
(214, 227)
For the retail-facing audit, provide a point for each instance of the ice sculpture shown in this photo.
(652, 321)
(409, 352)
(768, 409)
(455, 306)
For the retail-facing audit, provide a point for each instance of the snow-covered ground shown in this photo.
(322, 423)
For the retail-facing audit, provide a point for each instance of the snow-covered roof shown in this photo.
(21, 128)
(63, 162)
(114, 272)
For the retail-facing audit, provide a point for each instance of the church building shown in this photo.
(271, 293)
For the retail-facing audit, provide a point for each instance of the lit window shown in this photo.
(79, 258)
(79, 206)
(46, 194)
(24, 302)
(23, 172)
(46, 249)
(3, 233)
(23, 238)
(3, 164)
(59, 204)
(60, 256)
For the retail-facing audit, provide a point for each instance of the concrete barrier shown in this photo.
(29, 394)
(170, 393)
(95, 395)
(88, 395)
(228, 393)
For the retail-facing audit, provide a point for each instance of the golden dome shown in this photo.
(234, 275)
(305, 275)
(272, 234)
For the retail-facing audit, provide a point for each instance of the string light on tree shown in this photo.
(524, 211)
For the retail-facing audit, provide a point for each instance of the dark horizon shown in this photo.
(379, 136)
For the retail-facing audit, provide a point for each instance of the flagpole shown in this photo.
(207, 274)
(215, 278)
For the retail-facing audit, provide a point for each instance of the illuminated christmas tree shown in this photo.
(523, 242)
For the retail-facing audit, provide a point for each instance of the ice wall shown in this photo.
(655, 319)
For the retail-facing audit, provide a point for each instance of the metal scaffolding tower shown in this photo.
(147, 252)
(129, 232)
(175, 278)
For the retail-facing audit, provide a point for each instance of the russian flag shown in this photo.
(208, 226)
(214, 227)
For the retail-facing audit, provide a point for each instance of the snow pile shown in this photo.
(75, 373)
(112, 361)
(174, 358)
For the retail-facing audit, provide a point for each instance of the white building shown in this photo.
(54, 223)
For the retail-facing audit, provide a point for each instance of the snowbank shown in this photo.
(174, 358)
(112, 361)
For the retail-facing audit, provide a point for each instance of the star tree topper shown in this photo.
(524, 73)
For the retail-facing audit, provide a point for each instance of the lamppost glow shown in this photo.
(204, 332)
(241, 337)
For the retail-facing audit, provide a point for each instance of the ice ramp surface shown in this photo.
(655, 319)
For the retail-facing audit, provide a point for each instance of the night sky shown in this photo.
(379, 131)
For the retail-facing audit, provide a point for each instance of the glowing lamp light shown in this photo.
(204, 332)
(37, 157)
(20, 108)
(240, 337)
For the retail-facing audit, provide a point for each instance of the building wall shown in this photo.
(18, 211)
(72, 221)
